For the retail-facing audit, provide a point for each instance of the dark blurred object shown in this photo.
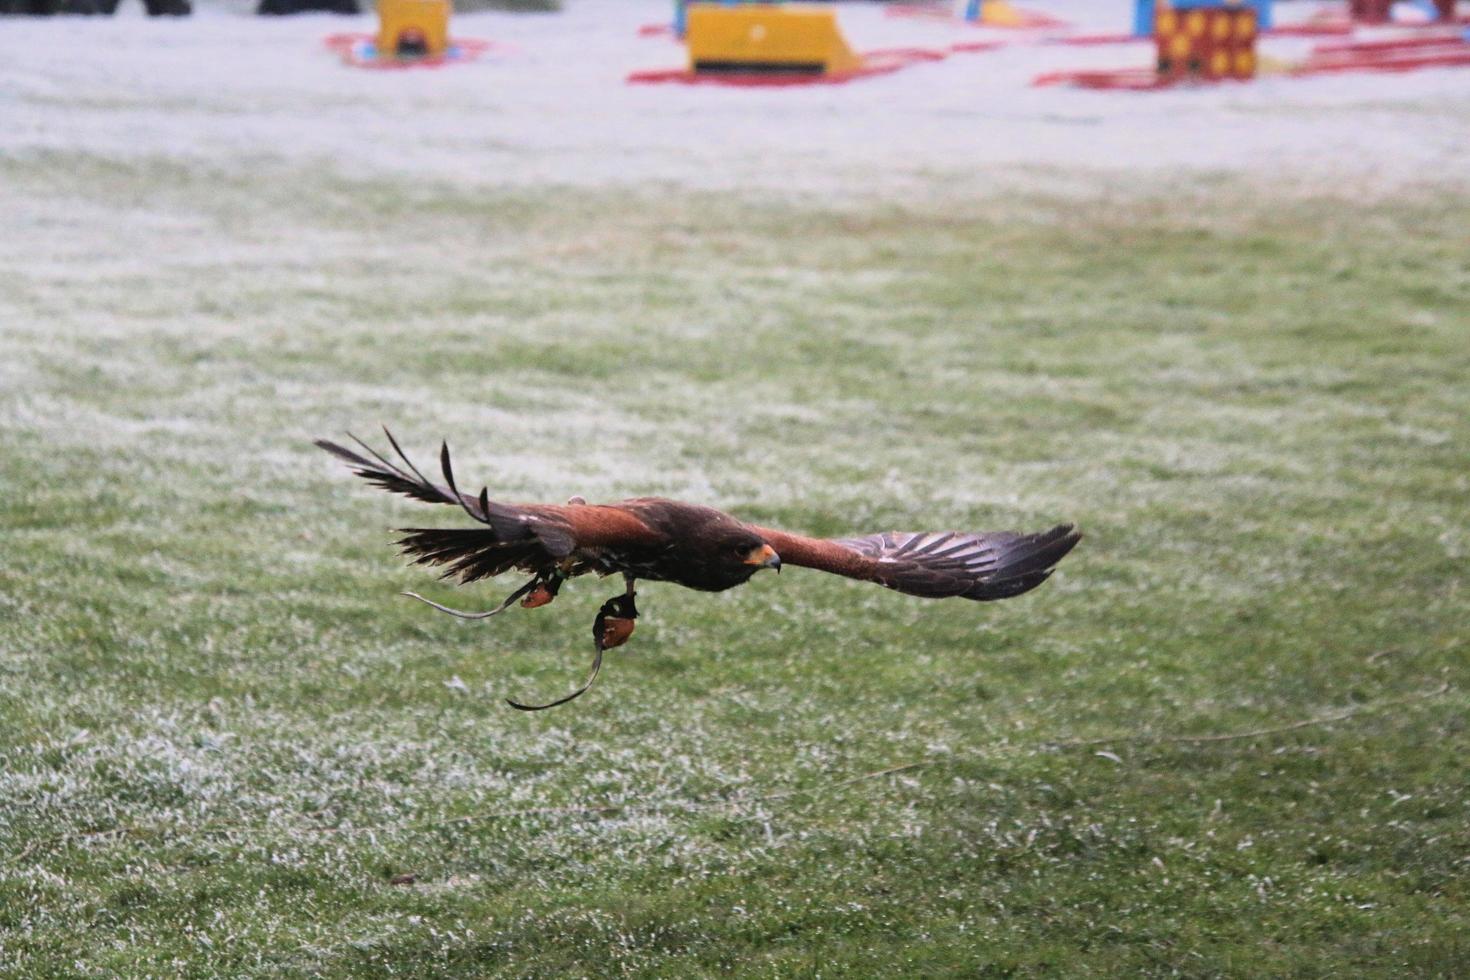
(47, 8)
(1380, 11)
(279, 8)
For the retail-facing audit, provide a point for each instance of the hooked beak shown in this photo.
(764, 557)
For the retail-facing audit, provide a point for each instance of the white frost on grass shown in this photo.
(554, 108)
(271, 788)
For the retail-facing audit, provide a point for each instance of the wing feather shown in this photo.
(935, 564)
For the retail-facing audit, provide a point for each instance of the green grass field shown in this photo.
(1227, 739)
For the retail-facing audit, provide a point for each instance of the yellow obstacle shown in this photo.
(999, 13)
(765, 37)
(413, 28)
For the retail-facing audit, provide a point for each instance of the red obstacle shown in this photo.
(1393, 55)
(1397, 55)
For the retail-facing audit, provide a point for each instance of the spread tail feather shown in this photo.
(470, 553)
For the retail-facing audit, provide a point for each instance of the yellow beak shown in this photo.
(765, 556)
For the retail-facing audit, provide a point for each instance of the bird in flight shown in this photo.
(691, 545)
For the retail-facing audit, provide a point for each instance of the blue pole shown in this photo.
(679, 18)
(972, 10)
(1143, 18)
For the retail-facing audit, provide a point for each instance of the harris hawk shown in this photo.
(691, 545)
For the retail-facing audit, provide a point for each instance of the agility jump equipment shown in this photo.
(767, 38)
(1387, 55)
(413, 28)
(1147, 12)
(411, 34)
(1205, 40)
(769, 44)
(680, 27)
(1196, 41)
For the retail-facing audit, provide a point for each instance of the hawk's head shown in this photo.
(728, 553)
(710, 550)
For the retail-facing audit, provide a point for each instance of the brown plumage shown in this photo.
(686, 544)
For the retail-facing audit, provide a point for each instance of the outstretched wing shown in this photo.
(935, 564)
(525, 535)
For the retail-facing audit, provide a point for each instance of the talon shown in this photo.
(616, 631)
(615, 620)
(542, 594)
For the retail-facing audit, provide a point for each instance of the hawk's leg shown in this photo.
(611, 628)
